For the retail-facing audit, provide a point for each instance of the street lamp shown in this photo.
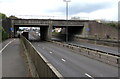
(67, 1)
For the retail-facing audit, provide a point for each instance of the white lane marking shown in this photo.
(89, 76)
(51, 52)
(63, 60)
(6, 46)
(43, 48)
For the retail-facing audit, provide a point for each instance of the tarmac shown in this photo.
(13, 63)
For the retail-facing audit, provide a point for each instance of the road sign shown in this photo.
(11, 29)
(88, 29)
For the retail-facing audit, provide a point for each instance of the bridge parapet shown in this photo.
(47, 22)
(67, 23)
(30, 22)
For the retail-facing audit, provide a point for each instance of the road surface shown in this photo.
(31, 37)
(13, 64)
(71, 64)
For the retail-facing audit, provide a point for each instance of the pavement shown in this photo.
(71, 64)
(13, 64)
(5, 42)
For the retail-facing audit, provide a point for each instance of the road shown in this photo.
(107, 49)
(31, 37)
(71, 64)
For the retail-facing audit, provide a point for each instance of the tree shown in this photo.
(3, 33)
(112, 24)
(13, 17)
(2, 16)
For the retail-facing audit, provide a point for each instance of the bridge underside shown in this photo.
(73, 30)
(46, 31)
(44, 35)
(69, 32)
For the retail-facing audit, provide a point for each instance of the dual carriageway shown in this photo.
(71, 64)
(67, 62)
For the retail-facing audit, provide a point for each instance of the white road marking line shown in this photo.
(89, 76)
(63, 60)
(51, 52)
(6, 46)
(43, 48)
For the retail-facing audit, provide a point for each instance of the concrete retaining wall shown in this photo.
(94, 54)
(40, 66)
(102, 30)
(30, 65)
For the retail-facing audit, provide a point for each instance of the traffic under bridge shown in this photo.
(44, 32)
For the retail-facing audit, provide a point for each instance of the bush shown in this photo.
(0, 33)
(112, 24)
(3, 34)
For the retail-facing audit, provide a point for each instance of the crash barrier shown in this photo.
(41, 67)
(92, 53)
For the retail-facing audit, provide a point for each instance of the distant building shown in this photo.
(58, 29)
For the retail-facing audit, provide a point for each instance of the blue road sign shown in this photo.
(88, 29)
(11, 29)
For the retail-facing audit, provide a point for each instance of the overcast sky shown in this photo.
(90, 9)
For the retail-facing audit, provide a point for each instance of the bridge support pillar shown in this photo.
(46, 33)
(49, 35)
(86, 30)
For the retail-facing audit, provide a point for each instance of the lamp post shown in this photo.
(67, 1)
